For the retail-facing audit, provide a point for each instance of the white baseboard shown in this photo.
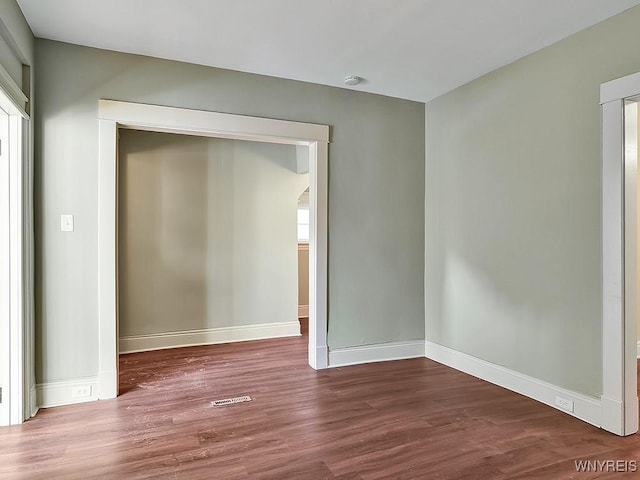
(584, 407)
(209, 336)
(303, 310)
(53, 394)
(382, 352)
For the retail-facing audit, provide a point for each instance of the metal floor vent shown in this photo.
(230, 401)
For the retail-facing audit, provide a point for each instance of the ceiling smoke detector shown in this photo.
(352, 80)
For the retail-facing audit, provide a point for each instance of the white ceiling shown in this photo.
(415, 49)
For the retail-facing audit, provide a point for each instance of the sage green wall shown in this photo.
(513, 208)
(207, 233)
(376, 192)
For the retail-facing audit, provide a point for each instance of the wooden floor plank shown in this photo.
(409, 419)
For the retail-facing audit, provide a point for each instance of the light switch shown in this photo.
(66, 223)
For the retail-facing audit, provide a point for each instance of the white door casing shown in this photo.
(619, 261)
(114, 115)
(15, 290)
(5, 272)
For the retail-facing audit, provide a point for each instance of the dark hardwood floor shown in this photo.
(408, 419)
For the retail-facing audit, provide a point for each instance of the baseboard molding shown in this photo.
(209, 336)
(585, 408)
(303, 310)
(376, 353)
(53, 394)
(638, 350)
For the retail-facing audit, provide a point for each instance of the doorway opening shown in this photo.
(206, 240)
(115, 116)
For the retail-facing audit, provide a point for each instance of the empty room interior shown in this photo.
(319, 240)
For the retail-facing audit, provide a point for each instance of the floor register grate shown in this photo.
(230, 401)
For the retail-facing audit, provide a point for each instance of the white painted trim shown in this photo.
(16, 99)
(6, 265)
(16, 229)
(619, 338)
(620, 88)
(54, 394)
(612, 414)
(612, 261)
(638, 350)
(115, 114)
(382, 352)
(107, 310)
(631, 246)
(15, 278)
(585, 408)
(318, 253)
(631, 212)
(181, 120)
(208, 336)
(28, 294)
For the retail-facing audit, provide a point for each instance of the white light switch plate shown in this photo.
(66, 223)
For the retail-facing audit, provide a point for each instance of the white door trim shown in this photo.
(17, 232)
(14, 324)
(113, 115)
(619, 293)
(6, 264)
